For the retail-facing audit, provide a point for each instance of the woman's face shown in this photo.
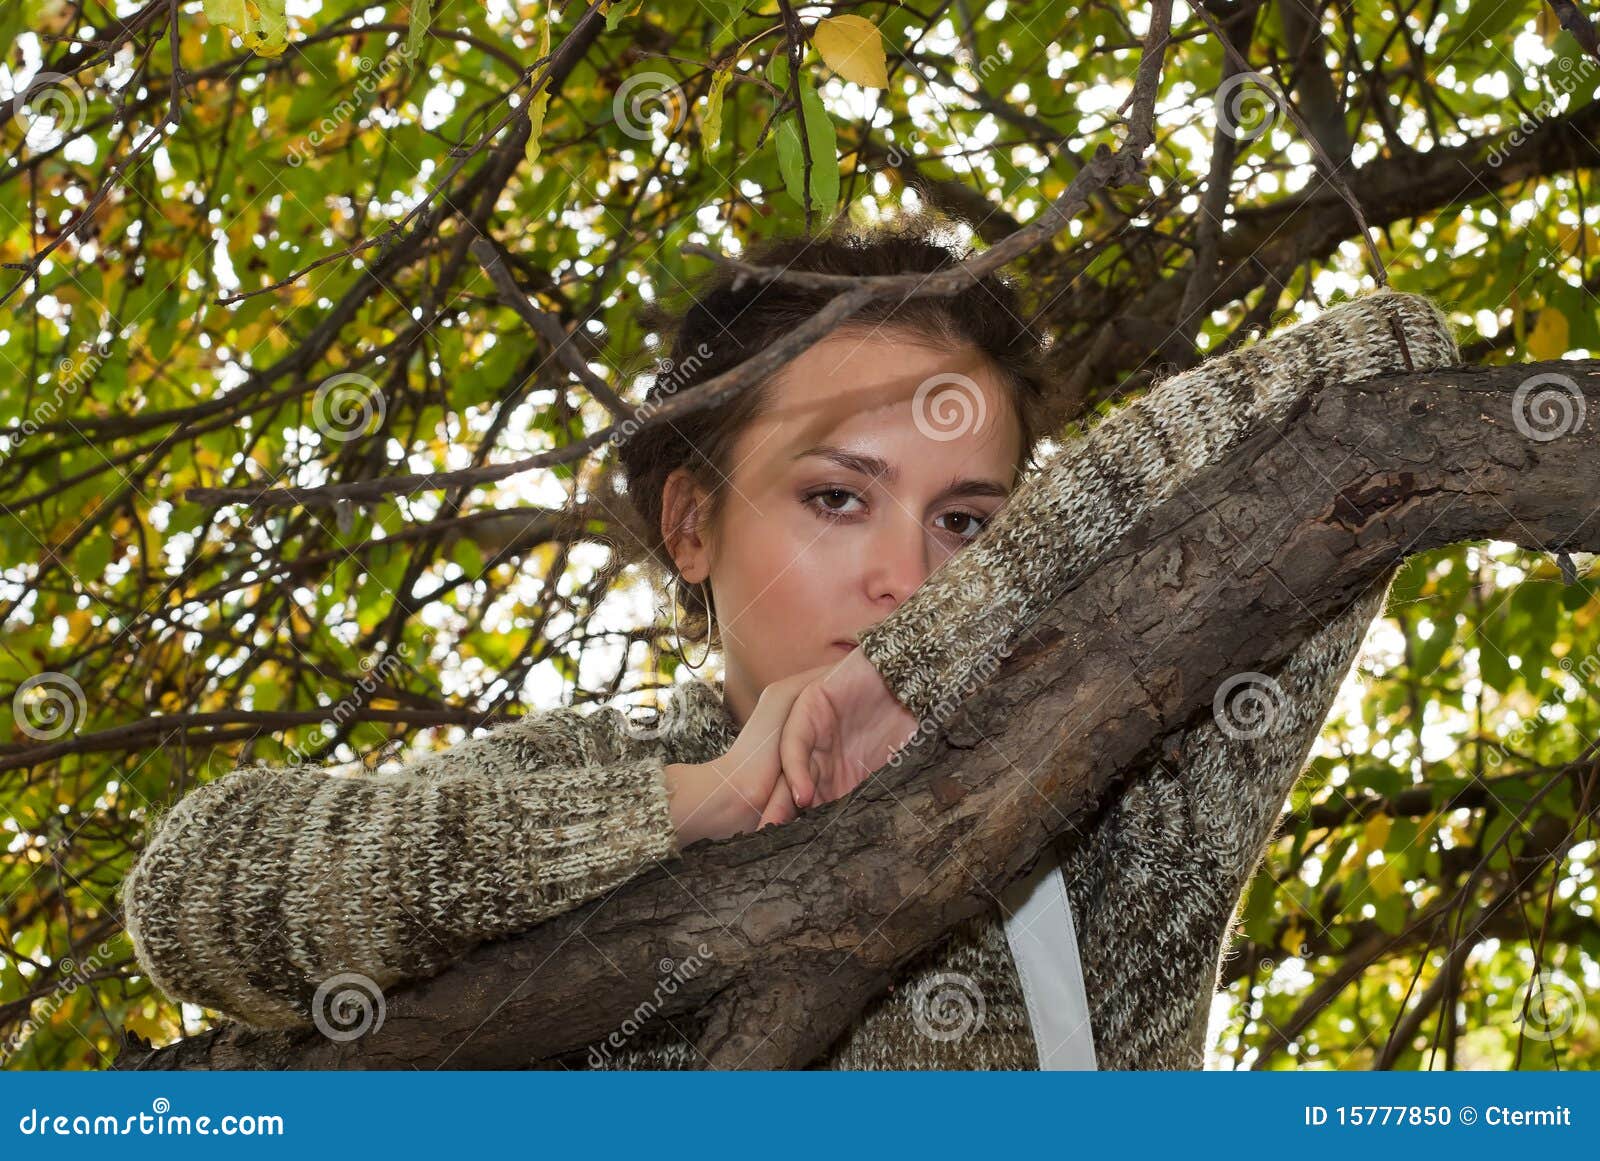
(878, 457)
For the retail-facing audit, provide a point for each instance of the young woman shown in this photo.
(840, 534)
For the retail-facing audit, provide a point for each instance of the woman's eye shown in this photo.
(968, 524)
(824, 500)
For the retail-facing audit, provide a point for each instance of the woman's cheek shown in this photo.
(806, 578)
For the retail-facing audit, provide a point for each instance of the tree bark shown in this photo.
(799, 927)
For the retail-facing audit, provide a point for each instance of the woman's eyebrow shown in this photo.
(879, 468)
(868, 465)
(971, 487)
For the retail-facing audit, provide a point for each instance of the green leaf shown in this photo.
(469, 556)
(1484, 22)
(778, 71)
(1392, 911)
(91, 557)
(266, 694)
(421, 17)
(823, 145)
(1493, 665)
(1575, 597)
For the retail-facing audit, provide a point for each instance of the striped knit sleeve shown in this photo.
(1061, 521)
(262, 886)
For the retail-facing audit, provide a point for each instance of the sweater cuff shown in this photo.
(908, 671)
(949, 637)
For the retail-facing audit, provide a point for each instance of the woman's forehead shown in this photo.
(846, 373)
(909, 403)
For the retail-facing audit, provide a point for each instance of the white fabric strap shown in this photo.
(1044, 943)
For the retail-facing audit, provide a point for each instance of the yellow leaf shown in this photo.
(1377, 832)
(1546, 23)
(852, 47)
(178, 214)
(541, 99)
(711, 123)
(150, 1027)
(1292, 938)
(261, 24)
(1581, 243)
(1386, 880)
(1548, 339)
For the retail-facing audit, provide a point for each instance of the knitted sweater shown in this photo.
(261, 884)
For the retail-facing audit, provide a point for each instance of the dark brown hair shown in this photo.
(729, 319)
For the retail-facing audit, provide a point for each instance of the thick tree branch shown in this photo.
(804, 924)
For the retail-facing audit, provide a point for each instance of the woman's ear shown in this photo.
(684, 503)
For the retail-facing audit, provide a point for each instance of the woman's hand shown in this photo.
(842, 724)
(726, 795)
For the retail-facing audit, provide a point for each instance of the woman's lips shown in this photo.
(845, 645)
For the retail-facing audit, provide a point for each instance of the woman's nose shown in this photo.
(899, 561)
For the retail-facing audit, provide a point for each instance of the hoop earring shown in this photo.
(705, 598)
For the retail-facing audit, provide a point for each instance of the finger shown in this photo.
(780, 806)
(794, 754)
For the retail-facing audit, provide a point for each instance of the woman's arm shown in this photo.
(1060, 522)
(260, 885)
